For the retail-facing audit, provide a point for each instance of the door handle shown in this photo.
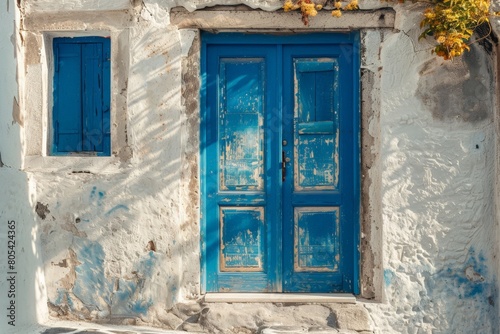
(283, 166)
(284, 160)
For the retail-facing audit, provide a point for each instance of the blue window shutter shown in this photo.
(92, 97)
(82, 95)
(67, 112)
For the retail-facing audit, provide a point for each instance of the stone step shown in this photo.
(301, 330)
(245, 318)
(276, 318)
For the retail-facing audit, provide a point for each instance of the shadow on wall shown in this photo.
(114, 243)
(22, 289)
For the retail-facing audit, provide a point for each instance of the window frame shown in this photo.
(104, 91)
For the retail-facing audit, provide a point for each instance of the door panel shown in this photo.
(243, 239)
(280, 163)
(316, 239)
(241, 109)
(316, 134)
(240, 241)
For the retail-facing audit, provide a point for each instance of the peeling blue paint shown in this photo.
(63, 297)
(91, 284)
(317, 149)
(116, 208)
(128, 298)
(316, 240)
(271, 140)
(140, 307)
(241, 123)
(60, 296)
(146, 265)
(242, 239)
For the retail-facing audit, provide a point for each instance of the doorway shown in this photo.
(280, 163)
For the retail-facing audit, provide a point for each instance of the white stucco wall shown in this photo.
(437, 149)
(98, 223)
(432, 191)
(22, 284)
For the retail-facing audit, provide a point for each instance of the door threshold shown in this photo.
(242, 297)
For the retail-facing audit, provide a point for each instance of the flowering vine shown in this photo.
(310, 8)
(450, 22)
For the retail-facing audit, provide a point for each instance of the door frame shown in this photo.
(307, 39)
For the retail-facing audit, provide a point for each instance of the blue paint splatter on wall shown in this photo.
(97, 195)
(116, 208)
(91, 283)
(94, 289)
(63, 297)
(468, 281)
(466, 285)
(140, 307)
(388, 277)
(146, 265)
(129, 297)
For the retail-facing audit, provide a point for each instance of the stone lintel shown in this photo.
(279, 20)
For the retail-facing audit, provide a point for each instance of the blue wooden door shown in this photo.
(280, 163)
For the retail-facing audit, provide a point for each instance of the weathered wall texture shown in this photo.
(22, 277)
(116, 243)
(437, 143)
(120, 235)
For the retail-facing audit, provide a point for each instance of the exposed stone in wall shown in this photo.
(42, 210)
(190, 190)
(469, 76)
(371, 72)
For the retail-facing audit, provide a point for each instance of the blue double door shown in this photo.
(280, 163)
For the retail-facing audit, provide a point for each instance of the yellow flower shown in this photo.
(336, 13)
(288, 6)
(430, 15)
(338, 4)
(308, 9)
(319, 7)
(441, 39)
(353, 5)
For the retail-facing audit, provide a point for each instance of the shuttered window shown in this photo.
(81, 112)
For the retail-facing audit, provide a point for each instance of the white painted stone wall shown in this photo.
(437, 196)
(22, 282)
(432, 194)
